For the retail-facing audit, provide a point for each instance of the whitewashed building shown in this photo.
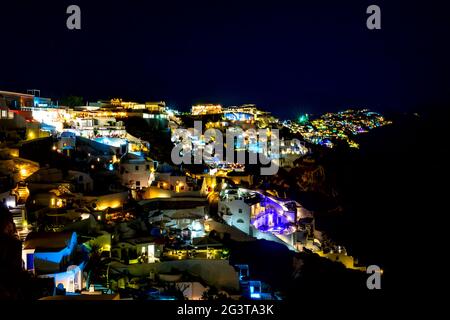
(136, 172)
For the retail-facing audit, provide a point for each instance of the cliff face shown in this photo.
(10, 257)
(10, 254)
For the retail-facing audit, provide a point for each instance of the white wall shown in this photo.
(240, 211)
(71, 280)
(130, 175)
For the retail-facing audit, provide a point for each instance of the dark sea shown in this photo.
(391, 189)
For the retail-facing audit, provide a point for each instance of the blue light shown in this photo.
(166, 298)
(255, 296)
(110, 167)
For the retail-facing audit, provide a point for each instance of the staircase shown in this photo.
(19, 218)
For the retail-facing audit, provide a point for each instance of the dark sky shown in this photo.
(286, 56)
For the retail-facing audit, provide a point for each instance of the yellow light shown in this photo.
(23, 172)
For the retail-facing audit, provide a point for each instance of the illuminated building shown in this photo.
(66, 141)
(290, 151)
(247, 111)
(208, 184)
(92, 120)
(54, 117)
(180, 212)
(339, 254)
(154, 116)
(109, 200)
(136, 172)
(49, 187)
(119, 103)
(237, 208)
(15, 100)
(118, 143)
(168, 178)
(24, 101)
(154, 113)
(278, 216)
(137, 250)
(204, 109)
(238, 116)
(52, 251)
(93, 127)
(20, 124)
(51, 254)
(247, 209)
(6, 114)
(156, 107)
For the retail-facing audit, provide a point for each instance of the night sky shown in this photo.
(286, 56)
